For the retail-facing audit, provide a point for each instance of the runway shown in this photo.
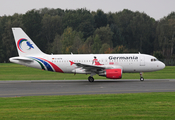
(81, 87)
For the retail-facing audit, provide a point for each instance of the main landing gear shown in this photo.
(91, 79)
(141, 77)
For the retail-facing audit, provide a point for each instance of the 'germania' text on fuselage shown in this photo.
(129, 57)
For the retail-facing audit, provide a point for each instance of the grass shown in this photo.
(10, 71)
(159, 106)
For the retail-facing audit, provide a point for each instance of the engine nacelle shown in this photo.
(112, 73)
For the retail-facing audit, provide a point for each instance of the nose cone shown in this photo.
(161, 65)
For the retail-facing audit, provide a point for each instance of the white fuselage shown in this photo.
(127, 62)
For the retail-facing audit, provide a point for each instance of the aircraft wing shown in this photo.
(89, 67)
(95, 68)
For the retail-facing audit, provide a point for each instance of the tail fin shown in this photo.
(24, 44)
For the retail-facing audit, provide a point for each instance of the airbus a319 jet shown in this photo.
(111, 66)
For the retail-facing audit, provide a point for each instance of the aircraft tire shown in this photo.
(141, 79)
(91, 79)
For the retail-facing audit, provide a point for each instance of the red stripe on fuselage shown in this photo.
(57, 69)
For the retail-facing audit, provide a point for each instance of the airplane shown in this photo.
(111, 66)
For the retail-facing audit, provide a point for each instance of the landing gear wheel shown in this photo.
(91, 79)
(141, 79)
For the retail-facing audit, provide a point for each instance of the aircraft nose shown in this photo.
(162, 65)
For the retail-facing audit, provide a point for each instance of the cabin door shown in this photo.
(142, 61)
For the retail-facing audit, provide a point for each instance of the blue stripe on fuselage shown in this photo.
(47, 65)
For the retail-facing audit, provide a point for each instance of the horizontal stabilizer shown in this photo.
(20, 59)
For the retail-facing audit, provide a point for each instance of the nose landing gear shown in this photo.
(141, 77)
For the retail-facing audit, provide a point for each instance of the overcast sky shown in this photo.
(154, 8)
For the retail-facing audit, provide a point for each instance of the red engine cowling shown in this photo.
(114, 73)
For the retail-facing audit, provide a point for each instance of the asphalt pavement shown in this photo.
(81, 87)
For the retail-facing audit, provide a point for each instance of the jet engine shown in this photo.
(112, 73)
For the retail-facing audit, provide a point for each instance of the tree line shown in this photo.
(57, 31)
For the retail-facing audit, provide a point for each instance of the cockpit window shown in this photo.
(154, 59)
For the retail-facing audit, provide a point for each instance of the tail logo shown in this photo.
(23, 43)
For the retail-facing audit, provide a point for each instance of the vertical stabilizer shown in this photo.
(24, 44)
